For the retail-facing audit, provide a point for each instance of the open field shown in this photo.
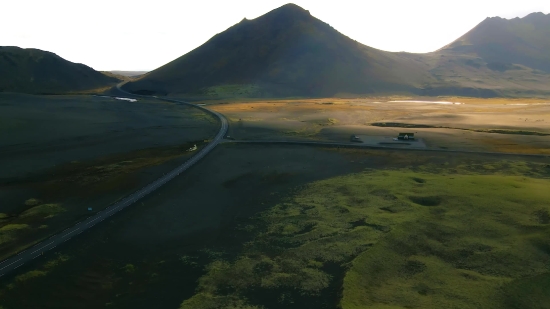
(60, 155)
(260, 226)
(501, 125)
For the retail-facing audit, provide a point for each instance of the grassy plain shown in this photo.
(500, 124)
(407, 239)
(271, 226)
(299, 227)
(60, 155)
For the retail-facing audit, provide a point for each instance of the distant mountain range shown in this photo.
(288, 52)
(36, 71)
(129, 73)
(124, 75)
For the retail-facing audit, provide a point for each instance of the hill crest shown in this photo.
(289, 52)
(524, 41)
(284, 52)
(32, 70)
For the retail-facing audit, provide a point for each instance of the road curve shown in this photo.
(38, 249)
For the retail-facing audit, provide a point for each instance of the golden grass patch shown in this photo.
(515, 146)
(45, 210)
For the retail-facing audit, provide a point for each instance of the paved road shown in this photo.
(35, 251)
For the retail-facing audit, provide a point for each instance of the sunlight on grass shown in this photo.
(14, 227)
(9, 232)
(37, 273)
(456, 253)
(32, 202)
(403, 239)
(45, 210)
(29, 275)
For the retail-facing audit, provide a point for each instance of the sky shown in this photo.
(143, 35)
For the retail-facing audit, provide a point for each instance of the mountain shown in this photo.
(501, 42)
(41, 72)
(285, 52)
(288, 52)
(499, 57)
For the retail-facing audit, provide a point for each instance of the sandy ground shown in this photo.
(197, 215)
(337, 119)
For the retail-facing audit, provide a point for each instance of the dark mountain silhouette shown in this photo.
(284, 52)
(38, 71)
(287, 52)
(502, 43)
(499, 57)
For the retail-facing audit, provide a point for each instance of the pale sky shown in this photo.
(143, 35)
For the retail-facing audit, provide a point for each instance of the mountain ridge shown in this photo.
(288, 52)
(524, 41)
(32, 70)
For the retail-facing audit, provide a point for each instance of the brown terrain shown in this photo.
(500, 125)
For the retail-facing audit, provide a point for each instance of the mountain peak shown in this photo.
(285, 52)
(522, 41)
(536, 14)
(537, 17)
(289, 10)
(291, 7)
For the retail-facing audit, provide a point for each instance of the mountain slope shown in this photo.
(501, 42)
(287, 52)
(284, 52)
(498, 57)
(38, 71)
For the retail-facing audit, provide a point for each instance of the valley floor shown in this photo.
(299, 227)
(500, 125)
(290, 226)
(64, 158)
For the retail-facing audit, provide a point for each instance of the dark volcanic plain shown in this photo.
(190, 242)
(61, 155)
